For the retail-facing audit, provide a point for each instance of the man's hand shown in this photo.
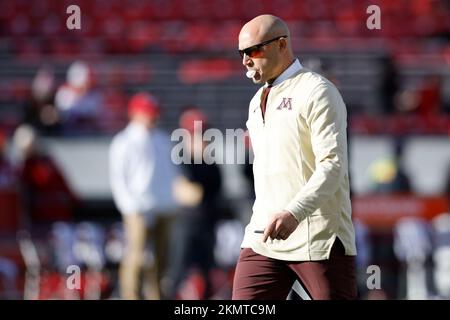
(281, 226)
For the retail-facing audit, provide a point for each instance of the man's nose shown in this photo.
(246, 59)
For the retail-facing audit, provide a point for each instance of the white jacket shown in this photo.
(141, 171)
(301, 165)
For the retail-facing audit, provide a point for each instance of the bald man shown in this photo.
(301, 227)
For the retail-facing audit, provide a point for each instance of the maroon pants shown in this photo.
(260, 278)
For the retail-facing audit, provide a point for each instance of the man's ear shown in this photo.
(282, 44)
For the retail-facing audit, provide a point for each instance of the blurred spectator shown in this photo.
(426, 100)
(9, 188)
(47, 196)
(447, 186)
(141, 174)
(40, 110)
(388, 174)
(430, 96)
(441, 254)
(78, 101)
(412, 246)
(229, 234)
(88, 248)
(388, 178)
(364, 257)
(8, 279)
(389, 84)
(199, 190)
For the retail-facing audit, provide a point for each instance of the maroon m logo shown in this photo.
(286, 103)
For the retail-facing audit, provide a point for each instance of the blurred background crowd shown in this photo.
(64, 95)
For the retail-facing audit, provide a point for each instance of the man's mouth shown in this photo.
(250, 73)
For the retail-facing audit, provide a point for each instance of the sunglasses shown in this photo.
(256, 50)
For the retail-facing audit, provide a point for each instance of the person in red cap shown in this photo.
(141, 176)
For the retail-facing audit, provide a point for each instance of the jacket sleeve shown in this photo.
(326, 118)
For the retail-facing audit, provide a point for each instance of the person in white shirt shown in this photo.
(301, 227)
(141, 176)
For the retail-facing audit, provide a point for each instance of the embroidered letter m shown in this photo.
(286, 103)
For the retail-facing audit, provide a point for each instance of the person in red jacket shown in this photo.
(46, 194)
(10, 218)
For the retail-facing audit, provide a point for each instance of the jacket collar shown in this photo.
(286, 74)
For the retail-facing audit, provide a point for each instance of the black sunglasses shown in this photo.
(255, 50)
